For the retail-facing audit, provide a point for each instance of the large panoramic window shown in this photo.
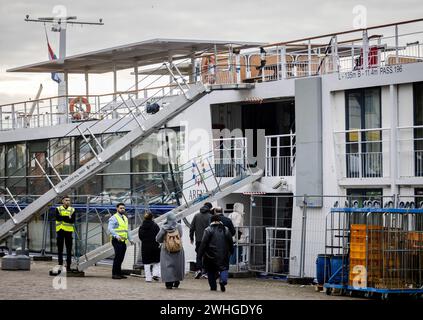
(83, 155)
(16, 168)
(37, 182)
(151, 166)
(116, 178)
(364, 147)
(418, 132)
(60, 153)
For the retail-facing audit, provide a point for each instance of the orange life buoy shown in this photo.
(76, 108)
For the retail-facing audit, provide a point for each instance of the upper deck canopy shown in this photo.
(124, 57)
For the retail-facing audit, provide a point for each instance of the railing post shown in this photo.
(267, 166)
(278, 61)
(309, 57)
(291, 151)
(51, 113)
(352, 56)
(365, 50)
(25, 116)
(38, 113)
(334, 54)
(278, 171)
(396, 45)
(13, 117)
(303, 237)
(86, 226)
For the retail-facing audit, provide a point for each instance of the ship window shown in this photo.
(364, 149)
(37, 152)
(83, 155)
(364, 194)
(418, 132)
(116, 184)
(60, 155)
(150, 165)
(359, 196)
(16, 168)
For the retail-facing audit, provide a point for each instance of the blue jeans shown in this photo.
(212, 275)
(232, 259)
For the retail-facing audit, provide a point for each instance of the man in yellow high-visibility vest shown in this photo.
(65, 220)
(119, 233)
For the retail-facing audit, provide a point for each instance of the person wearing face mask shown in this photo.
(120, 236)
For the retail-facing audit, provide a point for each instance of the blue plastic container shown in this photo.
(338, 269)
(322, 268)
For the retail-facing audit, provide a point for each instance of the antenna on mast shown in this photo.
(59, 24)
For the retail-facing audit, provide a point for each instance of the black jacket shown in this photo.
(150, 250)
(199, 223)
(216, 248)
(227, 223)
(64, 218)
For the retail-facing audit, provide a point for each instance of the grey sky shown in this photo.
(129, 21)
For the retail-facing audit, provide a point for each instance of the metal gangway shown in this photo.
(137, 118)
(214, 190)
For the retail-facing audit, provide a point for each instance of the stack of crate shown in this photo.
(365, 251)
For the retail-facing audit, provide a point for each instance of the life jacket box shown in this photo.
(152, 108)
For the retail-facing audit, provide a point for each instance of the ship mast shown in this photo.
(59, 24)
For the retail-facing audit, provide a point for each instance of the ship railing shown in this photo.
(280, 155)
(230, 156)
(363, 153)
(355, 50)
(44, 112)
(410, 151)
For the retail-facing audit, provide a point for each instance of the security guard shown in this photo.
(119, 234)
(65, 219)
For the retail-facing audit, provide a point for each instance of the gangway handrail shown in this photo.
(181, 212)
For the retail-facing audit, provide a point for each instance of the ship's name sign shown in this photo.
(378, 71)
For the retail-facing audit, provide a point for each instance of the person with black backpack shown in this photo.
(215, 249)
(172, 256)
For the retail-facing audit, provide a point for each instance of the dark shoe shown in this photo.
(198, 275)
(222, 287)
(117, 277)
(213, 289)
(176, 284)
(156, 278)
(168, 287)
(123, 277)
